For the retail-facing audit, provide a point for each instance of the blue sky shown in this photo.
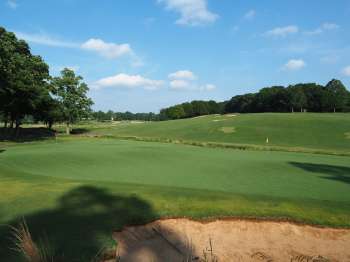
(143, 55)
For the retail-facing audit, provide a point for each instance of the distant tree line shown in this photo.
(27, 91)
(185, 110)
(311, 97)
(333, 97)
(192, 109)
(121, 116)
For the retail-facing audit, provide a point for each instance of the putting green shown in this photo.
(272, 174)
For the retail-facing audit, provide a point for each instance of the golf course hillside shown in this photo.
(79, 188)
(329, 132)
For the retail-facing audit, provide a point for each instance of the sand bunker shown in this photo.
(227, 129)
(232, 240)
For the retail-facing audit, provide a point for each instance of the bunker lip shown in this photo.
(232, 239)
(262, 219)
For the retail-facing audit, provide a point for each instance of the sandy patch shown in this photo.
(227, 129)
(230, 115)
(201, 116)
(219, 120)
(234, 240)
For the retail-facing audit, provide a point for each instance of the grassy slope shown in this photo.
(79, 191)
(312, 130)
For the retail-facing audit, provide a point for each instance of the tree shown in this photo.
(188, 108)
(48, 110)
(23, 78)
(337, 94)
(200, 108)
(297, 98)
(241, 104)
(71, 93)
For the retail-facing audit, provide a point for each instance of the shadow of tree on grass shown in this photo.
(77, 229)
(25, 134)
(79, 131)
(337, 173)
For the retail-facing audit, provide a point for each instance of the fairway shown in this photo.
(298, 131)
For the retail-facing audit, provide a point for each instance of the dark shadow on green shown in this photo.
(79, 131)
(2, 151)
(25, 134)
(83, 221)
(83, 217)
(337, 173)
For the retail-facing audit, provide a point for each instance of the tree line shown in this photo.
(333, 97)
(122, 116)
(27, 89)
(311, 97)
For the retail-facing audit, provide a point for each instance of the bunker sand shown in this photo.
(232, 240)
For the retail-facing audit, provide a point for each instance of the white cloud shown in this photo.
(12, 4)
(282, 31)
(207, 87)
(183, 74)
(185, 80)
(250, 14)
(182, 85)
(108, 50)
(192, 12)
(330, 26)
(294, 65)
(323, 28)
(329, 59)
(44, 39)
(128, 81)
(346, 71)
(179, 84)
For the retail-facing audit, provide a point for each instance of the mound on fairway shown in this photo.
(323, 131)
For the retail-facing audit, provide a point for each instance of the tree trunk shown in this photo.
(292, 109)
(334, 109)
(301, 110)
(11, 123)
(68, 129)
(18, 123)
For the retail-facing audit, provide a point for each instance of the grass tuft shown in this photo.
(24, 245)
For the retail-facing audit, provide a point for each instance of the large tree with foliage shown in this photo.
(71, 92)
(23, 79)
(337, 95)
(297, 98)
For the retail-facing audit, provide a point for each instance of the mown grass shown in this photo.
(303, 131)
(78, 191)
